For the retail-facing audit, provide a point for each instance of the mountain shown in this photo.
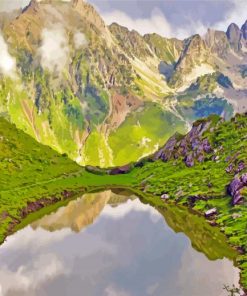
(104, 95)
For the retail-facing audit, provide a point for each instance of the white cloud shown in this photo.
(7, 62)
(54, 50)
(80, 40)
(30, 277)
(111, 290)
(131, 205)
(235, 15)
(156, 23)
(8, 5)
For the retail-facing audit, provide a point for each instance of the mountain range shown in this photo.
(105, 95)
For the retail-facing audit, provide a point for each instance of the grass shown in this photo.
(208, 181)
(31, 171)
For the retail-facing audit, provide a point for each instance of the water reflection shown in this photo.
(108, 244)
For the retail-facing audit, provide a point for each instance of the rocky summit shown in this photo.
(103, 94)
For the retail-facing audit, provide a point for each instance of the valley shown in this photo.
(101, 82)
(204, 170)
(102, 127)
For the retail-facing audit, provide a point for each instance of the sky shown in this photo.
(169, 18)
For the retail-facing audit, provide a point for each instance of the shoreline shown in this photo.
(43, 206)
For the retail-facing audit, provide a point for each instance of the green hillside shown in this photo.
(205, 169)
(34, 176)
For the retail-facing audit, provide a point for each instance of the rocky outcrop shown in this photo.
(218, 42)
(244, 30)
(234, 34)
(192, 147)
(210, 213)
(235, 167)
(235, 188)
(195, 54)
(120, 170)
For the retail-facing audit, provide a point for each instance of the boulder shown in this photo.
(189, 161)
(120, 170)
(235, 187)
(229, 169)
(206, 146)
(210, 213)
(241, 166)
(165, 196)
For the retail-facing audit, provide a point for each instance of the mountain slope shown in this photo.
(34, 177)
(81, 87)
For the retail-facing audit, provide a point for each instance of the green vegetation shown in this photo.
(204, 186)
(142, 131)
(33, 174)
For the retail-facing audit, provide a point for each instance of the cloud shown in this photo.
(30, 277)
(80, 40)
(131, 205)
(54, 50)
(111, 290)
(7, 62)
(8, 5)
(156, 23)
(235, 15)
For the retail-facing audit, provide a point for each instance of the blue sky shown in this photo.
(170, 18)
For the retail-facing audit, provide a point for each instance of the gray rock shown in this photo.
(189, 161)
(229, 169)
(241, 166)
(244, 30)
(234, 189)
(165, 196)
(210, 213)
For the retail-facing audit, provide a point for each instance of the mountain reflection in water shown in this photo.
(112, 244)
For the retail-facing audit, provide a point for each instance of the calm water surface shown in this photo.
(114, 245)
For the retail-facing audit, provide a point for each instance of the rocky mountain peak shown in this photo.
(232, 28)
(218, 42)
(195, 44)
(244, 30)
(234, 34)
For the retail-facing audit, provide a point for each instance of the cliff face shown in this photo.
(89, 90)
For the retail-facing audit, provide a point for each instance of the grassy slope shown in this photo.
(181, 182)
(31, 171)
(142, 132)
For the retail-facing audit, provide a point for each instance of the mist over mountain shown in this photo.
(106, 95)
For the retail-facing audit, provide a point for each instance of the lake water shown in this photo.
(112, 244)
